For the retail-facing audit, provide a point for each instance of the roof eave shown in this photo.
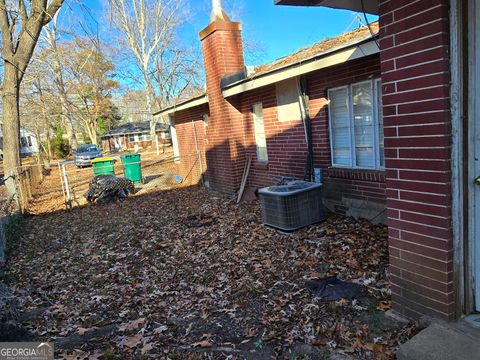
(196, 101)
(131, 133)
(336, 56)
(369, 6)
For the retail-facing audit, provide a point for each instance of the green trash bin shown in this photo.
(132, 168)
(103, 166)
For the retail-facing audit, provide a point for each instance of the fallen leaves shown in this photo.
(82, 331)
(384, 305)
(204, 343)
(183, 269)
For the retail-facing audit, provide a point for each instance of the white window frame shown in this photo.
(377, 84)
(374, 83)
(255, 131)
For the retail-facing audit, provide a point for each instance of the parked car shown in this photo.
(85, 154)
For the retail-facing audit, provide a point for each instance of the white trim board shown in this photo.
(183, 106)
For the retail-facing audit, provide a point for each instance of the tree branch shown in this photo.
(7, 42)
(52, 9)
(23, 11)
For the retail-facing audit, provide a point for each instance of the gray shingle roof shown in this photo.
(135, 128)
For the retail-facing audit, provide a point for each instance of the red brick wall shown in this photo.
(223, 55)
(287, 150)
(415, 75)
(190, 166)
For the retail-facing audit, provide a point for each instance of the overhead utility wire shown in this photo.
(368, 24)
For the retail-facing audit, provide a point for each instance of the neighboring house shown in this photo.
(395, 130)
(134, 135)
(28, 143)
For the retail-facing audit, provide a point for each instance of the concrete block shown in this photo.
(442, 342)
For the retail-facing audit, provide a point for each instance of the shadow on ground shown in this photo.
(187, 274)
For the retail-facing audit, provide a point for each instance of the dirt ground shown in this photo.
(185, 274)
(49, 195)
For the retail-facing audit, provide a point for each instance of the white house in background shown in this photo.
(28, 143)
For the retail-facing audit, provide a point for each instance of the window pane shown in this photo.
(259, 128)
(380, 124)
(340, 123)
(363, 124)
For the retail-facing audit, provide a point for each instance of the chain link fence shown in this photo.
(56, 186)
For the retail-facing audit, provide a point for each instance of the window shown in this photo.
(356, 125)
(259, 128)
(205, 119)
(146, 137)
(288, 106)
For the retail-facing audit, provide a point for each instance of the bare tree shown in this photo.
(90, 83)
(37, 92)
(20, 24)
(55, 62)
(148, 27)
(177, 74)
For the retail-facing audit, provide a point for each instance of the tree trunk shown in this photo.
(91, 128)
(66, 109)
(46, 123)
(72, 138)
(11, 126)
(56, 66)
(47, 134)
(150, 104)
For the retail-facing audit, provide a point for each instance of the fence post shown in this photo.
(61, 182)
(199, 155)
(28, 182)
(68, 202)
(19, 190)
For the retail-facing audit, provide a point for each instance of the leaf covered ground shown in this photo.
(183, 274)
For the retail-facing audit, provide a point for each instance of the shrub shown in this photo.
(60, 146)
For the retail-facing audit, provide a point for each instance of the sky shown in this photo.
(280, 30)
(274, 31)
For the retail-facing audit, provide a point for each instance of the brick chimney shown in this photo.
(223, 55)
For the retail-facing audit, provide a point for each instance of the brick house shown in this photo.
(228, 129)
(429, 53)
(393, 129)
(134, 135)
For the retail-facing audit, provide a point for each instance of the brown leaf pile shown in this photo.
(184, 273)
